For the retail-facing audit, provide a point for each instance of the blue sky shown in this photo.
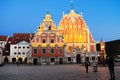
(24, 16)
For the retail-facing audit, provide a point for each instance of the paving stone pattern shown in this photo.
(54, 72)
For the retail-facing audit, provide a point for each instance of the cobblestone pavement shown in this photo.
(54, 72)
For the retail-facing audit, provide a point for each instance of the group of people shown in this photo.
(110, 62)
(94, 63)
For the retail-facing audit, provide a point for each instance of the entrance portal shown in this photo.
(78, 59)
(35, 61)
(20, 60)
(60, 60)
(87, 58)
(13, 60)
(25, 60)
(5, 60)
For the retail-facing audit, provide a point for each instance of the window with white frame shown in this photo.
(35, 51)
(43, 50)
(51, 50)
(43, 60)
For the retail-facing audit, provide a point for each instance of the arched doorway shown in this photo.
(20, 60)
(6, 59)
(60, 60)
(78, 59)
(13, 60)
(25, 60)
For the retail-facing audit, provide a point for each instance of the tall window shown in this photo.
(35, 51)
(52, 50)
(43, 50)
(60, 50)
(43, 41)
(52, 41)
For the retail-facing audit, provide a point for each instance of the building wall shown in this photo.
(48, 57)
(1, 53)
(19, 51)
(3, 43)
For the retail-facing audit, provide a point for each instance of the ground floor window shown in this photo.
(44, 60)
(93, 58)
(69, 59)
(52, 59)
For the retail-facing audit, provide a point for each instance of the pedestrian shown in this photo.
(94, 65)
(87, 63)
(17, 63)
(110, 61)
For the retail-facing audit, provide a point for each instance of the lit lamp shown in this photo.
(84, 50)
(23, 58)
(17, 58)
(102, 51)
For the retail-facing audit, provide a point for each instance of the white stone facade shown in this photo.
(19, 52)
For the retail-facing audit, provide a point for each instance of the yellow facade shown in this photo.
(47, 22)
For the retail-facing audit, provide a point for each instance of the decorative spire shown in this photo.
(81, 14)
(101, 40)
(71, 4)
(48, 11)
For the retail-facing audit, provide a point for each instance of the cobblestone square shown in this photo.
(54, 72)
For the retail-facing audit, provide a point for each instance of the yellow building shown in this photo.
(77, 36)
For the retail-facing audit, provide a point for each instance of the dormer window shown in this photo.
(49, 27)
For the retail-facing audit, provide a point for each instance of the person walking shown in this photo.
(94, 66)
(110, 61)
(87, 63)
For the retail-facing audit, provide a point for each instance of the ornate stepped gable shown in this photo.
(75, 31)
(74, 28)
(47, 26)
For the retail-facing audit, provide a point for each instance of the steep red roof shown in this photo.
(18, 37)
(3, 38)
